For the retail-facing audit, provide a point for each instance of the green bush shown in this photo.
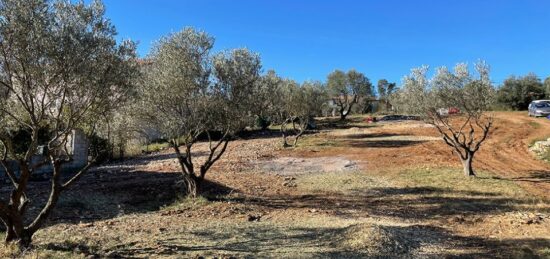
(262, 122)
(99, 147)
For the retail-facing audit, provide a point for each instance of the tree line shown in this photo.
(516, 92)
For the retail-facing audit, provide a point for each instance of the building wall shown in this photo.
(79, 150)
(77, 146)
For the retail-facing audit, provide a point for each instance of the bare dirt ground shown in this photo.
(389, 190)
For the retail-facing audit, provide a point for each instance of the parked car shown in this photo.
(448, 111)
(539, 108)
(454, 110)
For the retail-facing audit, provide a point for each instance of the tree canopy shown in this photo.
(517, 92)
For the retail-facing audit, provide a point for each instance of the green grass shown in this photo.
(453, 179)
(156, 147)
(447, 184)
(187, 203)
(474, 193)
(534, 124)
(450, 179)
(310, 141)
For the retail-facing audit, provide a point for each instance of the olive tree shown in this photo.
(301, 105)
(347, 88)
(268, 99)
(118, 129)
(188, 93)
(385, 90)
(472, 94)
(517, 92)
(60, 65)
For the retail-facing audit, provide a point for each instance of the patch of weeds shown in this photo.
(341, 182)
(187, 203)
(453, 180)
(155, 147)
(534, 124)
(9, 250)
(316, 141)
(13, 251)
(274, 127)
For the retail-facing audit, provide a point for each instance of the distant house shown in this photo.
(77, 146)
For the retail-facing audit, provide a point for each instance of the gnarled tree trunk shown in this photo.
(191, 179)
(13, 214)
(462, 137)
(192, 184)
(467, 164)
(283, 131)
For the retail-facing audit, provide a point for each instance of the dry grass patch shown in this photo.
(373, 239)
(187, 203)
(340, 182)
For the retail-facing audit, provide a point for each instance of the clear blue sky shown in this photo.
(307, 39)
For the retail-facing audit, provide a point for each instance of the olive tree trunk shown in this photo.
(13, 214)
(193, 181)
(467, 164)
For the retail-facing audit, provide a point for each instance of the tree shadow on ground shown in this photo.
(259, 134)
(253, 240)
(381, 143)
(142, 160)
(336, 123)
(135, 192)
(419, 203)
(369, 135)
(106, 194)
(535, 177)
